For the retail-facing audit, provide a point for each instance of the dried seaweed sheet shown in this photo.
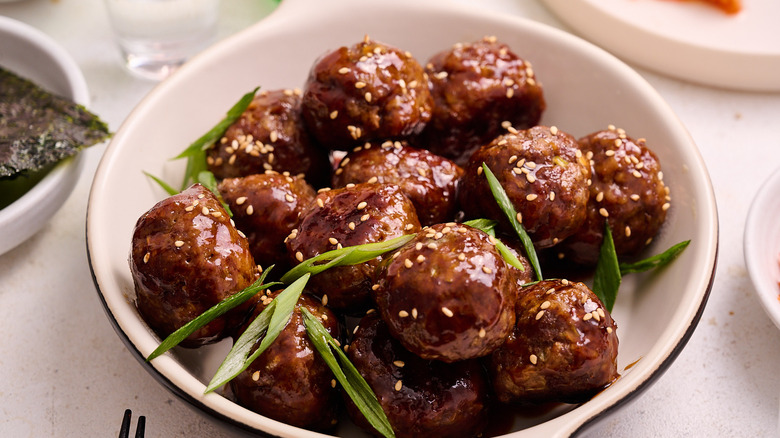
(38, 128)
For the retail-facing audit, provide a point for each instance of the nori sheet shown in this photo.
(38, 128)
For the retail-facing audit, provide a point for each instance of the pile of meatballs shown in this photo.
(376, 146)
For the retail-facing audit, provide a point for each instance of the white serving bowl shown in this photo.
(762, 245)
(32, 54)
(586, 90)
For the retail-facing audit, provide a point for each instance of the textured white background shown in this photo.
(65, 373)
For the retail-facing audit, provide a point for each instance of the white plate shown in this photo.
(32, 54)
(762, 245)
(655, 313)
(688, 40)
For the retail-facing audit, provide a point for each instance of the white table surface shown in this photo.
(65, 373)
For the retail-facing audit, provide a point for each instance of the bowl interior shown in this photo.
(585, 88)
(28, 201)
(762, 246)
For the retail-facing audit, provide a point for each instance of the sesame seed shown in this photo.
(539, 315)
(596, 315)
(273, 136)
(320, 203)
(240, 200)
(603, 211)
(600, 197)
(533, 359)
(399, 363)
(461, 257)
(351, 226)
(545, 305)
(367, 96)
(609, 329)
(519, 217)
(637, 174)
(510, 92)
(564, 282)
(447, 312)
(240, 233)
(601, 312)
(334, 114)
(408, 227)
(256, 376)
(531, 179)
(412, 84)
(414, 312)
(531, 197)
(660, 176)
(421, 171)
(552, 196)
(250, 210)
(333, 240)
(403, 313)
(189, 208)
(420, 258)
(146, 257)
(370, 311)
(512, 159)
(299, 256)
(554, 130)
(666, 206)
(432, 246)
(418, 246)
(398, 385)
(365, 217)
(587, 316)
(479, 170)
(375, 287)
(487, 270)
(360, 85)
(362, 205)
(372, 180)
(204, 210)
(408, 263)
(332, 383)
(482, 333)
(289, 198)
(634, 197)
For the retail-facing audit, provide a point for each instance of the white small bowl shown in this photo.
(34, 55)
(586, 90)
(762, 245)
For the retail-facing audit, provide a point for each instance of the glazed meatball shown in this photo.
(421, 398)
(563, 347)
(290, 381)
(365, 92)
(266, 208)
(475, 88)
(186, 257)
(353, 215)
(447, 294)
(428, 180)
(269, 135)
(628, 193)
(545, 176)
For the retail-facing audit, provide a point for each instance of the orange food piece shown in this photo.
(728, 6)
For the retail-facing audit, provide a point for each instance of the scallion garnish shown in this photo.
(656, 261)
(168, 189)
(196, 152)
(607, 278)
(211, 314)
(488, 227)
(347, 375)
(509, 210)
(350, 255)
(270, 322)
(609, 272)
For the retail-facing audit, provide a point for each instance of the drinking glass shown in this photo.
(157, 36)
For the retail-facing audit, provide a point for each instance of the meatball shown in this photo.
(290, 381)
(269, 135)
(353, 215)
(545, 176)
(447, 294)
(563, 347)
(365, 92)
(266, 208)
(475, 88)
(186, 257)
(428, 180)
(421, 398)
(628, 193)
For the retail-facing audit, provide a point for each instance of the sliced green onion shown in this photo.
(209, 181)
(196, 152)
(170, 190)
(211, 314)
(509, 210)
(656, 261)
(607, 278)
(270, 322)
(350, 255)
(347, 375)
(488, 226)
